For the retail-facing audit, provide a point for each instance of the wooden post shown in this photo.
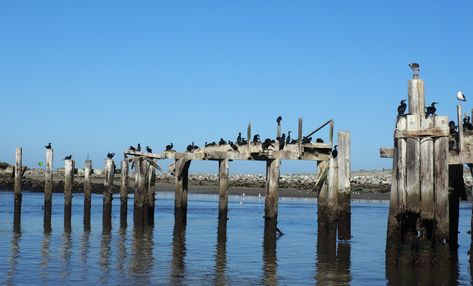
(69, 166)
(272, 188)
(124, 191)
(248, 133)
(427, 178)
(344, 190)
(413, 166)
(109, 172)
(416, 97)
(278, 132)
(441, 189)
(18, 173)
(48, 190)
(140, 190)
(87, 193)
(181, 189)
(222, 188)
(331, 133)
(460, 128)
(299, 137)
(150, 193)
(332, 191)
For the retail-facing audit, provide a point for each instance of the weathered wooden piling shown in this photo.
(181, 191)
(140, 192)
(87, 193)
(272, 190)
(109, 172)
(18, 174)
(124, 192)
(222, 188)
(48, 190)
(69, 166)
(299, 138)
(150, 193)
(418, 220)
(344, 189)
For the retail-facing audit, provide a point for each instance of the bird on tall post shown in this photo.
(234, 147)
(278, 120)
(430, 110)
(461, 96)
(334, 152)
(48, 146)
(132, 148)
(256, 139)
(138, 148)
(266, 144)
(110, 155)
(68, 157)
(222, 142)
(149, 150)
(169, 147)
(414, 66)
(402, 108)
(282, 140)
(238, 141)
(288, 138)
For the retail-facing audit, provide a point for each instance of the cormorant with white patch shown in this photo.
(48, 146)
(430, 110)
(169, 147)
(334, 152)
(402, 108)
(110, 155)
(461, 96)
(288, 138)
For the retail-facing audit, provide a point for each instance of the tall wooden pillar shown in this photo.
(181, 188)
(272, 189)
(222, 188)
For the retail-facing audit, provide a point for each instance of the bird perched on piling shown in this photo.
(243, 142)
(278, 120)
(222, 142)
(68, 157)
(132, 148)
(149, 150)
(192, 147)
(210, 144)
(266, 144)
(319, 140)
(138, 148)
(452, 127)
(306, 140)
(238, 141)
(334, 152)
(430, 110)
(48, 146)
(282, 140)
(110, 155)
(234, 147)
(467, 124)
(169, 147)
(414, 66)
(461, 96)
(256, 139)
(402, 108)
(288, 138)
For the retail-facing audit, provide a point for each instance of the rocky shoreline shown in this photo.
(375, 184)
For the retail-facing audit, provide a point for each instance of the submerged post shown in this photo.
(222, 188)
(68, 185)
(181, 189)
(272, 188)
(87, 193)
(344, 190)
(124, 190)
(48, 190)
(18, 173)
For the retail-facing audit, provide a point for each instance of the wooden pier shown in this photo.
(333, 181)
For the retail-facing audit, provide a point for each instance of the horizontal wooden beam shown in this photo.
(385, 152)
(431, 132)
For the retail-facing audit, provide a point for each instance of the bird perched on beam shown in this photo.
(266, 144)
(131, 148)
(334, 152)
(48, 146)
(414, 66)
(110, 155)
(288, 138)
(452, 127)
(69, 157)
(256, 139)
(461, 96)
(222, 142)
(149, 150)
(430, 110)
(282, 141)
(169, 147)
(138, 148)
(402, 108)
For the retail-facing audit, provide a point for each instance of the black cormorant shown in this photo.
(243, 142)
(210, 144)
(288, 138)
(334, 152)
(467, 124)
(306, 140)
(402, 107)
(169, 147)
(138, 148)
(132, 148)
(282, 140)
(222, 142)
(430, 110)
(110, 155)
(278, 120)
(149, 150)
(319, 140)
(256, 139)
(69, 157)
(267, 142)
(48, 146)
(238, 141)
(234, 147)
(452, 127)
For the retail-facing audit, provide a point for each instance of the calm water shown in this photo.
(202, 253)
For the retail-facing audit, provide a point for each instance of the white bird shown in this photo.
(461, 96)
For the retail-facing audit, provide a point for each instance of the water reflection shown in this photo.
(269, 252)
(45, 257)
(15, 255)
(221, 251)
(121, 248)
(66, 252)
(333, 260)
(105, 250)
(84, 254)
(142, 259)
(47, 216)
(67, 218)
(178, 252)
(444, 273)
(17, 218)
(107, 218)
(87, 206)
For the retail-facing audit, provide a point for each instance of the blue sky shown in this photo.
(97, 76)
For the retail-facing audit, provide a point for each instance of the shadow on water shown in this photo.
(444, 273)
(178, 252)
(269, 252)
(142, 259)
(333, 259)
(221, 251)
